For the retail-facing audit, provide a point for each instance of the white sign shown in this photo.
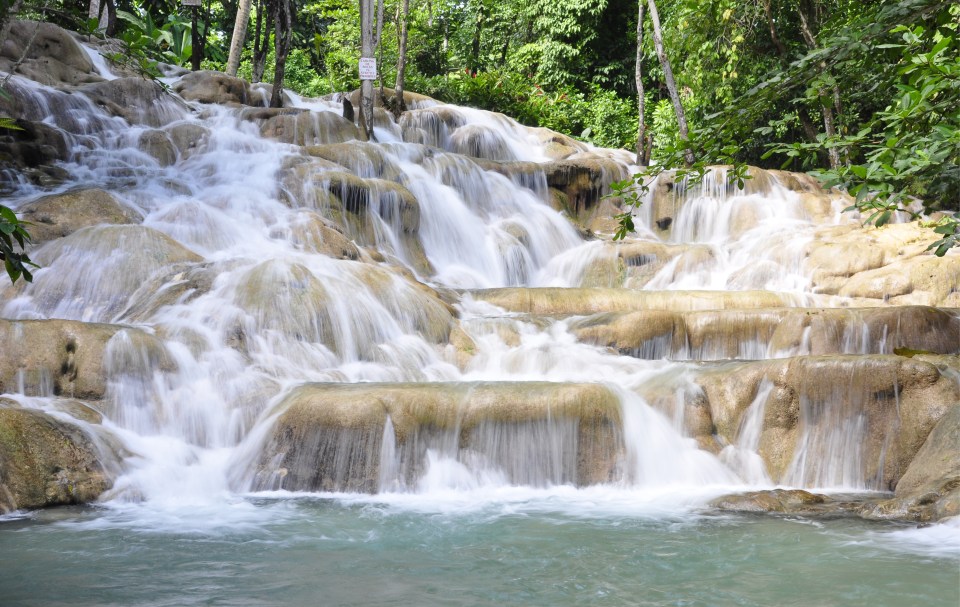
(368, 68)
(190, 2)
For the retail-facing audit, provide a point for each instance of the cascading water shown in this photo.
(333, 318)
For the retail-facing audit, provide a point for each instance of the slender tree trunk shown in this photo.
(671, 83)
(239, 35)
(475, 46)
(257, 32)
(366, 51)
(265, 14)
(98, 10)
(196, 47)
(283, 32)
(378, 38)
(641, 124)
(829, 120)
(399, 106)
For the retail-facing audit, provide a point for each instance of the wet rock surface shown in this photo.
(46, 462)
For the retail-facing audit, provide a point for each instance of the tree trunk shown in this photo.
(829, 120)
(196, 47)
(366, 51)
(641, 126)
(671, 83)
(379, 47)
(475, 46)
(239, 35)
(98, 10)
(265, 10)
(283, 32)
(399, 106)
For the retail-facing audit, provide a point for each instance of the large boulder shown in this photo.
(367, 437)
(136, 100)
(60, 215)
(45, 461)
(207, 86)
(52, 56)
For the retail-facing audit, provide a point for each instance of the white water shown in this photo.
(193, 381)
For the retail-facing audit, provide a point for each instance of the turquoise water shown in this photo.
(549, 550)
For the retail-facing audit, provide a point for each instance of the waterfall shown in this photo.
(436, 282)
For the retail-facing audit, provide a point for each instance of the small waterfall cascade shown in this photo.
(256, 300)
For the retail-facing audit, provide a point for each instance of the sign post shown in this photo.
(368, 68)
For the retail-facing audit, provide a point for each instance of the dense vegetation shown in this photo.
(867, 93)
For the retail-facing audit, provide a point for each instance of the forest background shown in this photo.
(864, 94)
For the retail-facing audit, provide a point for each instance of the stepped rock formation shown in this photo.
(443, 309)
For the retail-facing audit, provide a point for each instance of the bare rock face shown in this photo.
(333, 436)
(54, 58)
(870, 413)
(883, 266)
(63, 214)
(48, 462)
(930, 488)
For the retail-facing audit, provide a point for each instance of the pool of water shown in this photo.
(553, 548)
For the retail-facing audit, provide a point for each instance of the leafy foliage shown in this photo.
(13, 235)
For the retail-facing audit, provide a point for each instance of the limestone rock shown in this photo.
(331, 436)
(54, 59)
(771, 333)
(930, 488)
(785, 501)
(208, 86)
(136, 100)
(872, 413)
(64, 357)
(302, 127)
(48, 462)
(552, 301)
(60, 215)
(122, 257)
(188, 137)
